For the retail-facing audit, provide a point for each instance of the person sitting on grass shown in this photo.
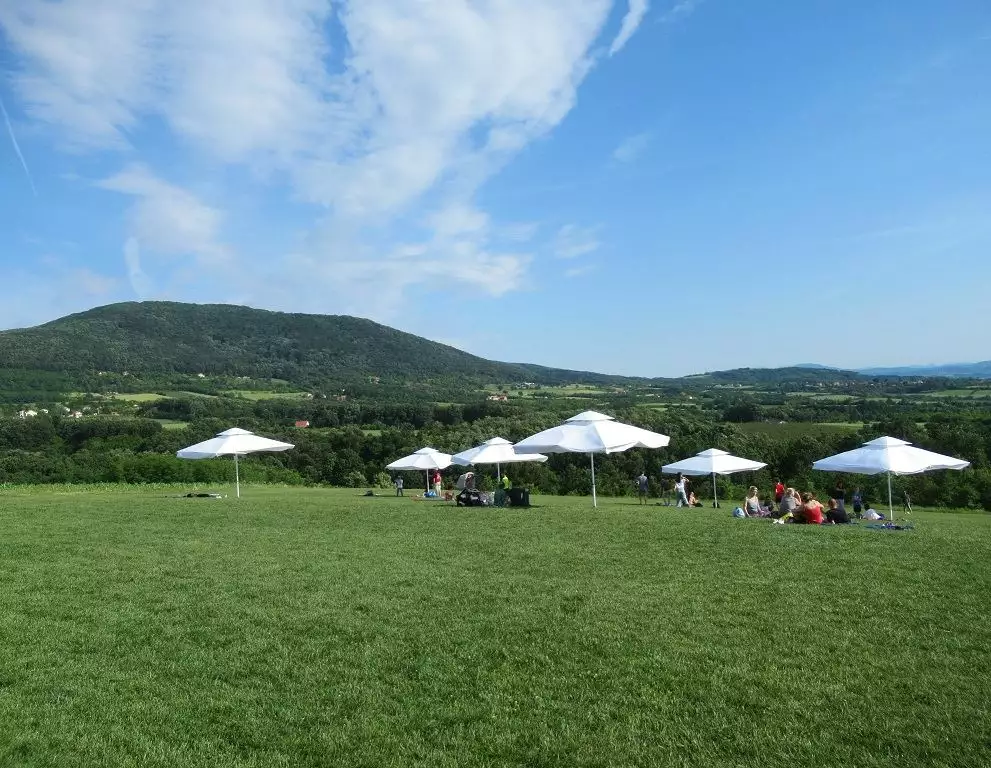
(788, 505)
(811, 510)
(692, 501)
(751, 504)
(835, 514)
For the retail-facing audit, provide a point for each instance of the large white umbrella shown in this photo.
(422, 460)
(496, 451)
(591, 432)
(713, 462)
(232, 442)
(890, 455)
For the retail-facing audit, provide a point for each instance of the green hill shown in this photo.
(173, 338)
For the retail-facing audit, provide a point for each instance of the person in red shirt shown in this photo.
(811, 510)
(779, 492)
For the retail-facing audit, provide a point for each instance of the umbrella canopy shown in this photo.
(422, 460)
(591, 432)
(888, 455)
(232, 442)
(713, 462)
(496, 451)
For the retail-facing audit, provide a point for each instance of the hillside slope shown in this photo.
(172, 337)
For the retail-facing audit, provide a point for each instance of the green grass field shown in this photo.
(260, 394)
(793, 429)
(319, 628)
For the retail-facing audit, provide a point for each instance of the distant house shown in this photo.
(27, 414)
(498, 398)
(302, 424)
(76, 414)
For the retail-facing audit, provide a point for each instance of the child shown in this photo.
(399, 485)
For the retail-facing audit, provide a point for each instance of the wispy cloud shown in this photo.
(680, 10)
(167, 221)
(631, 148)
(579, 271)
(573, 241)
(634, 15)
(391, 134)
(17, 147)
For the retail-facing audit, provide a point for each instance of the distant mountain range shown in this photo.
(164, 338)
(980, 370)
(956, 370)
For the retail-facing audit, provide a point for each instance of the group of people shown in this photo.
(789, 505)
(436, 482)
(792, 506)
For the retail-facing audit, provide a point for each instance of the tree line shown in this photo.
(351, 443)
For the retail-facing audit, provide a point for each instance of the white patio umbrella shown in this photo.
(890, 455)
(712, 462)
(591, 432)
(232, 442)
(496, 451)
(423, 460)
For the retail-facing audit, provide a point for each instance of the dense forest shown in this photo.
(109, 396)
(169, 337)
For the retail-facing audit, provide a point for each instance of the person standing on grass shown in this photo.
(437, 482)
(858, 501)
(779, 492)
(643, 485)
(399, 485)
(681, 490)
(839, 495)
(906, 502)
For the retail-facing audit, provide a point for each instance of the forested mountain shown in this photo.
(167, 337)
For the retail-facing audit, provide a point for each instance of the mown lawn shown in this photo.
(319, 628)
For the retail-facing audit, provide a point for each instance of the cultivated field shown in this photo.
(320, 628)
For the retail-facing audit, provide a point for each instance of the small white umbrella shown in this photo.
(423, 460)
(890, 455)
(591, 432)
(232, 442)
(496, 451)
(712, 462)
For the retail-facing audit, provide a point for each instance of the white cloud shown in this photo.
(634, 15)
(167, 219)
(573, 241)
(579, 271)
(631, 148)
(391, 133)
(680, 10)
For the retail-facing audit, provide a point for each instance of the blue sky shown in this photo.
(653, 188)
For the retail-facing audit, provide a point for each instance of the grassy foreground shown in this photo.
(318, 628)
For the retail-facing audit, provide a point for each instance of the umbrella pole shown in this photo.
(891, 506)
(715, 503)
(498, 471)
(237, 477)
(594, 502)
